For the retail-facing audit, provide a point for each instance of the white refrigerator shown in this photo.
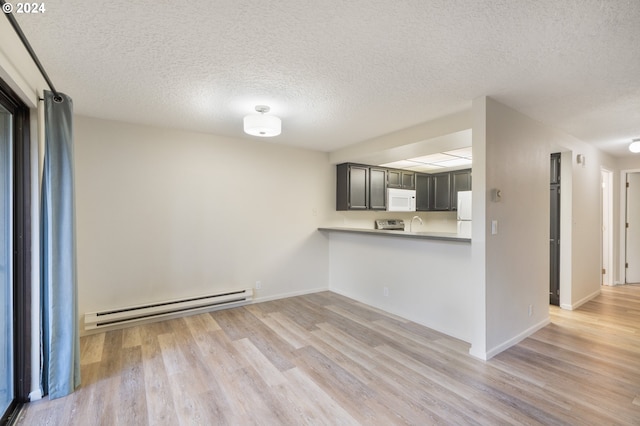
(464, 214)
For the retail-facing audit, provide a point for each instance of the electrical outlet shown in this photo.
(530, 310)
(258, 285)
(385, 291)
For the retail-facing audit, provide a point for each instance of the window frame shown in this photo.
(22, 246)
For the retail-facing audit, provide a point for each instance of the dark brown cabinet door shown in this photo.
(394, 179)
(424, 198)
(352, 187)
(460, 181)
(358, 183)
(377, 189)
(361, 187)
(408, 180)
(401, 179)
(441, 191)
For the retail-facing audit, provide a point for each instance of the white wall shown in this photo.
(448, 132)
(477, 287)
(518, 149)
(517, 258)
(428, 281)
(586, 225)
(164, 214)
(17, 69)
(629, 163)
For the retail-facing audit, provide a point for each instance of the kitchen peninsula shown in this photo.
(425, 277)
(443, 236)
(397, 243)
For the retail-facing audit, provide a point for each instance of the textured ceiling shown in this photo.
(338, 72)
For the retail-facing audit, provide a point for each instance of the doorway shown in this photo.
(607, 227)
(554, 231)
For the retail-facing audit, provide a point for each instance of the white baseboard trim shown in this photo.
(286, 295)
(513, 341)
(481, 355)
(35, 395)
(580, 302)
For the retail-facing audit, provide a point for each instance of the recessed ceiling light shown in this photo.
(401, 164)
(635, 146)
(455, 162)
(462, 152)
(433, 158)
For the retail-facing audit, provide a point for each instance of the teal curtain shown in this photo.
(59, 294)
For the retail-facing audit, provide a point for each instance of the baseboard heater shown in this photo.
(146, 313)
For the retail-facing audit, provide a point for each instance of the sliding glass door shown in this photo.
(6, 261)
(15, 253)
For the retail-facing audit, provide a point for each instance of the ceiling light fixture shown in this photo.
(262, 125)
(635, 146)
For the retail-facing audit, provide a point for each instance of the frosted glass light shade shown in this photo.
(634, 146)
(262, 125)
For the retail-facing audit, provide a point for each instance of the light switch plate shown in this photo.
(494, 227)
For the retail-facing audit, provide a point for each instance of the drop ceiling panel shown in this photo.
(457, 162)
(462, 152)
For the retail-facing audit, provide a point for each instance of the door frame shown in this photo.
(606, 221)
(622, 221)
(555, 215)
(566, 228)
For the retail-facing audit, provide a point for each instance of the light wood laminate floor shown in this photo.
(325, 359)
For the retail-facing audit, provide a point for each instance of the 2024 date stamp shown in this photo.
(26, 8)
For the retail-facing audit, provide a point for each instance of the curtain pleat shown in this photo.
(60, 334)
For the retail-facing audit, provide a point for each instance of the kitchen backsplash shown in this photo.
(432, 221)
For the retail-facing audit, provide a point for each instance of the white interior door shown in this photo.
(633, 228)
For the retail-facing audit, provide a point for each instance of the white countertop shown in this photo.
(443, 236)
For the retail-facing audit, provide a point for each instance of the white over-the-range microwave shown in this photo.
(401, 200)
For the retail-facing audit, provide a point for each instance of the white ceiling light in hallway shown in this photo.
(261, 124)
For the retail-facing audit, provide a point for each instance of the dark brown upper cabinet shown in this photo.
(377, 188)
(364, 187)
(460, 181)
(441, 192)
(361, 187)
(424, 192)
(401, 179)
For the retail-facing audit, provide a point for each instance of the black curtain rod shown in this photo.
(27, 45)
